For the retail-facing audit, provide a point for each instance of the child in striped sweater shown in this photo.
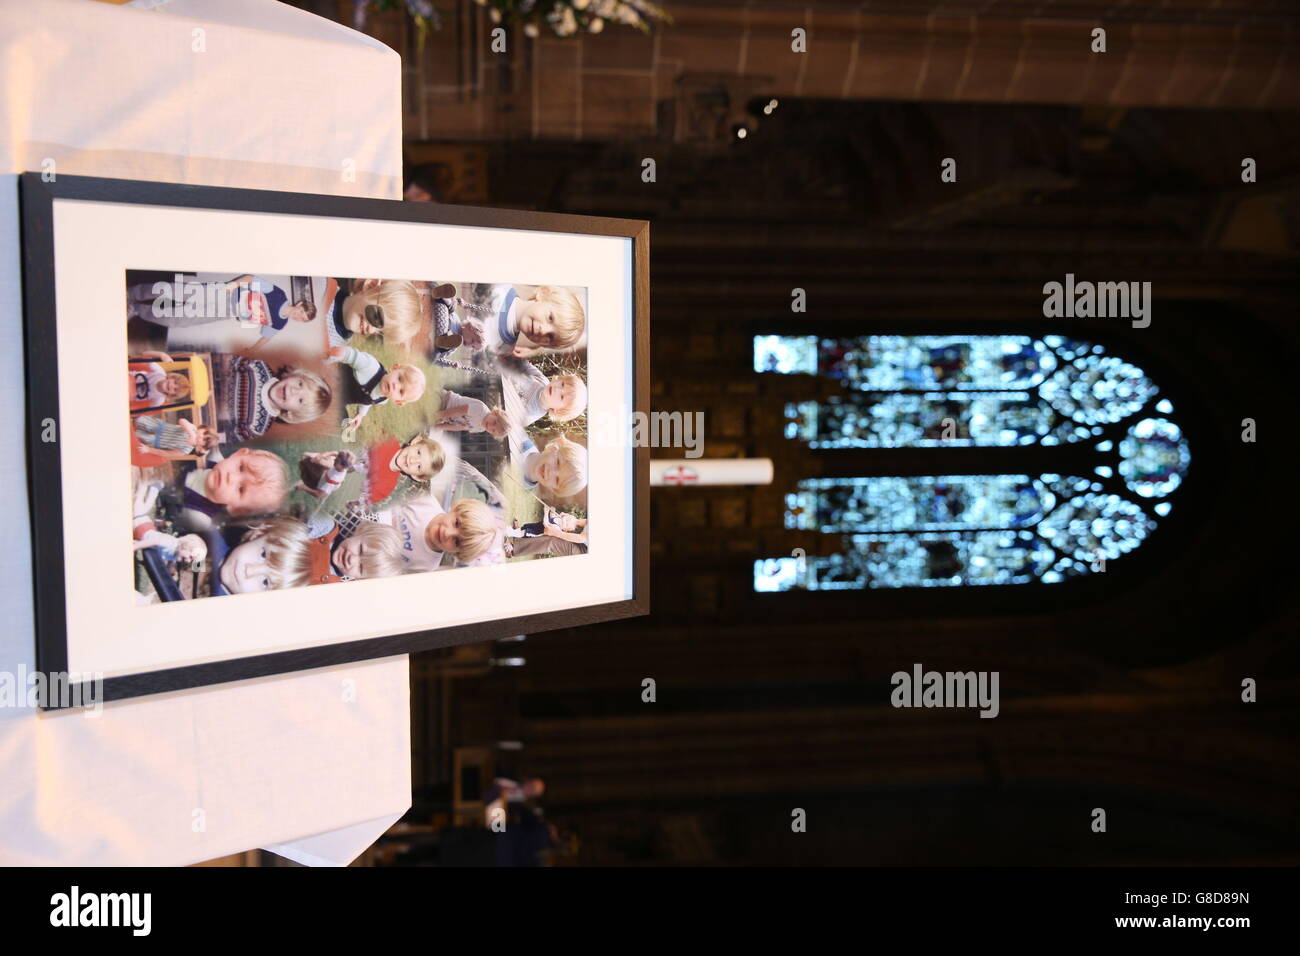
(253, 397)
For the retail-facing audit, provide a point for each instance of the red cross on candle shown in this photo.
(680, 475)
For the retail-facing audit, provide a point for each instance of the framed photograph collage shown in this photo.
(351, 428)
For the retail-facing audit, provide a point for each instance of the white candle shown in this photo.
(685, 472)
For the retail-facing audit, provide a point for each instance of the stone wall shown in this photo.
(695, 77)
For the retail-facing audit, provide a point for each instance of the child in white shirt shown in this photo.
(464, 531)
(459, 413)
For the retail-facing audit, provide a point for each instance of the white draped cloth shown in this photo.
(248, 93)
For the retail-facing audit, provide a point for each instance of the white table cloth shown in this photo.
(246, 93)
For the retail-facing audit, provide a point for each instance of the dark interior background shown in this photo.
(1120, 690)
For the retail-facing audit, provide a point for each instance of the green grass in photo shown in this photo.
(389, 420)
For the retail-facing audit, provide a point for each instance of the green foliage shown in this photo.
(562, 18)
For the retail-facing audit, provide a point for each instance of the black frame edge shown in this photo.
(45, 497)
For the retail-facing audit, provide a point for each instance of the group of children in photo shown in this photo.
(343, 451)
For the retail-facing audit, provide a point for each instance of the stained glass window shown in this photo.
(918, 362)
(927, 390)
(1154, 457)
(848, 505)
(929, 559)
(930, 419)
(949, 530)
(786, 354)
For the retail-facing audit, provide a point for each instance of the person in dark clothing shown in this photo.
(424, 183)
(525, 837)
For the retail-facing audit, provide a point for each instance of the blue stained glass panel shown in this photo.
(880, 363)
(931, 503)
(928, 391)
(927, 420)
(1155, 457)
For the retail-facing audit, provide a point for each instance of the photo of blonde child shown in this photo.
(464, 532)
(251, 481)
(559, 469)
(459, 413)
(252, 397)
(150, 385)
(271, 555)
(523, 322)
(391, 465)
(387, 309)
(367, 383)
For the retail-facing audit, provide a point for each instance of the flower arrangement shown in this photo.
(423, 12)
(563, 18)
(567, 18)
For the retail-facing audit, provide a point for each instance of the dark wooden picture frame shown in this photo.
(37, 198)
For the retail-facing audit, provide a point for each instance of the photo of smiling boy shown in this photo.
(395, 468)
(369, 550)
(559, 469)
(251, 397)
(385, 309)
(428, 532)
(524, 321)
(367, 383)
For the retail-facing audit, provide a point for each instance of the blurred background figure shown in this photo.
(425, 182)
